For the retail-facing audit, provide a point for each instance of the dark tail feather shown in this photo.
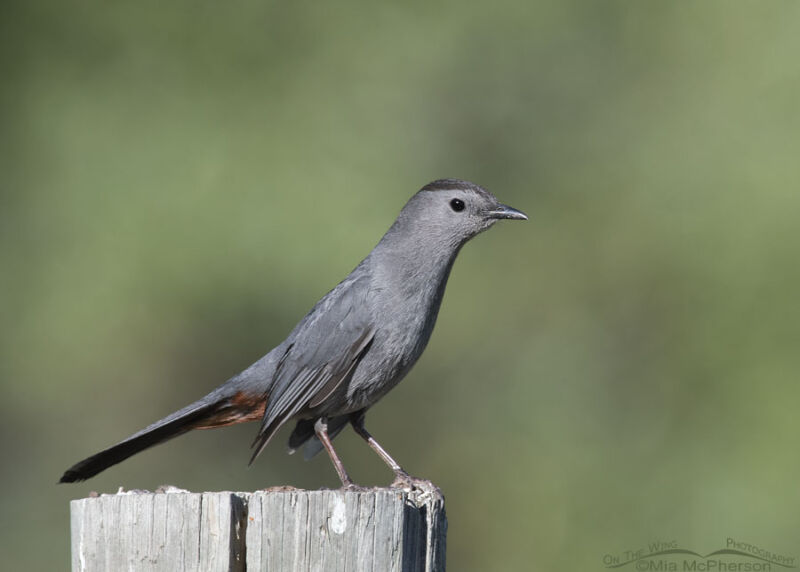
(211, 411)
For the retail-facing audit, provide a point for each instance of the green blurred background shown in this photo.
(181, 181)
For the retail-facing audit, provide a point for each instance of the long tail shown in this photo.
(217, 409)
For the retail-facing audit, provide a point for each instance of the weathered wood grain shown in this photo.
(160, 531)
(376, 529)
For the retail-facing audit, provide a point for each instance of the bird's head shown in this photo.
(452, 211)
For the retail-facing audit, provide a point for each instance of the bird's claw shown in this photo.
(403, 480)
(351, 487)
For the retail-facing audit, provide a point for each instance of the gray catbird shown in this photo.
(354, 345)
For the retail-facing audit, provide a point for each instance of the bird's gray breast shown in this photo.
(405, 313)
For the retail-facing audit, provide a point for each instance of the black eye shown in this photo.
(457, 205)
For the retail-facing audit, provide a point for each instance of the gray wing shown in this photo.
(324, 351)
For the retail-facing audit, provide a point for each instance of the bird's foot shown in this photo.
(403, 480)
(351, 487)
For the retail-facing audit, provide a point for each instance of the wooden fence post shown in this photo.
(273, 530)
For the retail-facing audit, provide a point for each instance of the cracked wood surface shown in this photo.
(285, 529)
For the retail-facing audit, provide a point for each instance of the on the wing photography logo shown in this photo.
(736, 556)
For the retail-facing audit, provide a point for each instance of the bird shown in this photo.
(352, 347)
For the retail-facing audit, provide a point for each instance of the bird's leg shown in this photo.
(401, 478)
(321, 429)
